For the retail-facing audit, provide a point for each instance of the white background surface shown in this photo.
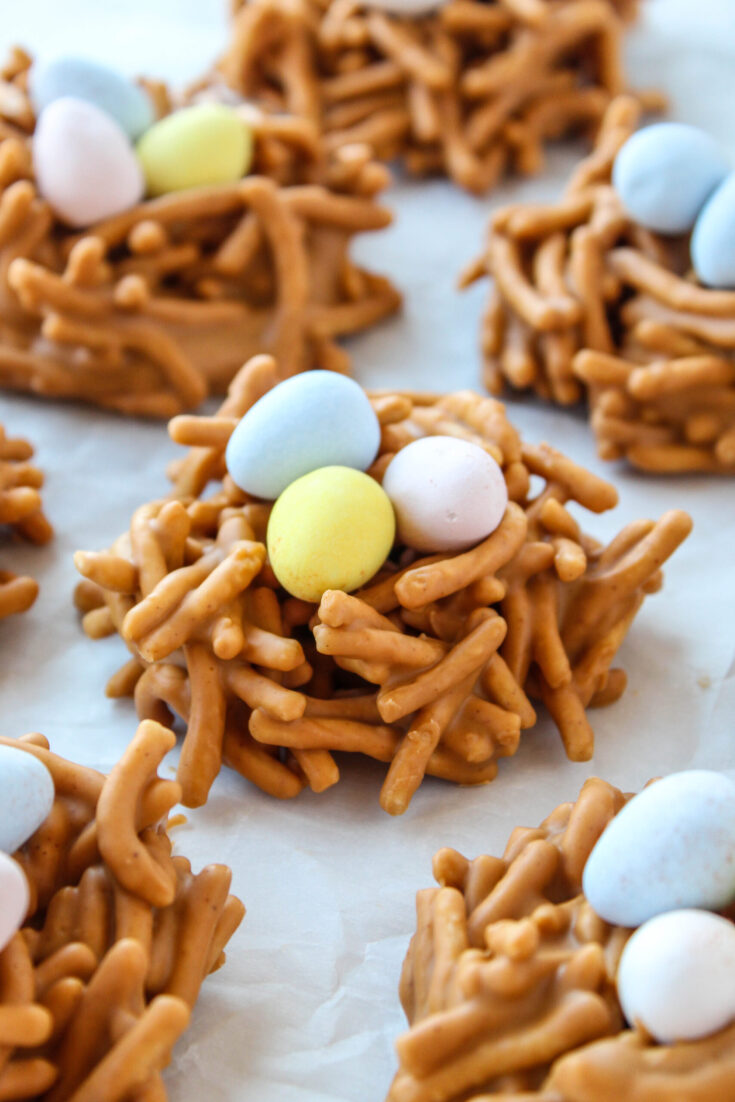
(306, 1007)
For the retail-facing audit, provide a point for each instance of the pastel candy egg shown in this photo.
(84, 163)
(316, 419)
(406, 7)
(204, 144)
(665, 173)
(676, 976)
(447, 493)
(26, 796)
(331, 529)
(14, 898)
(107, 89)
(672, 846)
(713, 240)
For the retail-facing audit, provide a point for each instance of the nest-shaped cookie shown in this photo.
(215, 640)
(509, 983)
(21, 513)
(100, 983)
(470, 91)
(148, 311)
(430, 667)
(585, 301)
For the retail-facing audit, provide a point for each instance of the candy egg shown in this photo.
(670, 847)
(665, 173)
(204, 144)
(316, 419)
(713, 240)
(406, 7)
(84, 163)
(447, 493)
(331, 529)
(107, 89)
(14, 898)
(676, 976)
(26, 796)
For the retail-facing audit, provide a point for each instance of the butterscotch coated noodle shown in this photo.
(21, 514)
(100, 983)
(471, 91)
(435, 667)
(509, 983)
(148, 311)
(586, 302)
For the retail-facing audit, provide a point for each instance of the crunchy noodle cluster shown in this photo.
(100, 983)
(509, 983)
(585, 300)
(431, 668)
(471, 91)
(21, 512)
(149, 310)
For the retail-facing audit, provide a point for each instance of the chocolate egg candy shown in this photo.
(713, 240)
(665, 173)
(670, 847)
(85, 166)
(26, 796)
(331, 529)
(676, 977)
(205, 144)
(14, 898)
(448, 494)
(316, 419)
(107, 89)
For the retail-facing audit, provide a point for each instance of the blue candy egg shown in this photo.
(713, 240)
(107, 89)
(665, 173)
(316, 419)
(671, 847)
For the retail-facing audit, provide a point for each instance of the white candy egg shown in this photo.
(672, 846)
(448, 494)
(85, 166)
(316, 419)
(14, 898)
(713, 240)
(665, 173)
(676, 976)
(26, 796)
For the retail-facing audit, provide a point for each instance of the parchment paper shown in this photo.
(306, 1008)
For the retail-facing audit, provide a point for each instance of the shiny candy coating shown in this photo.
(331, 529)
(26, 796)
(448, 494)
(201, 145)
(676, 976)
(85, 166)
(672, 846)
(665, 173)
(316, 419)
(713, 240)
(107, 89)
(14, 898)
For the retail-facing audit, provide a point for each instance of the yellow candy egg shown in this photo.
(331, 529)
(205, 144)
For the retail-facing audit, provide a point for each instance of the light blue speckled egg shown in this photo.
(665, 173)
(107, 89)
(713, 240)
(316, 419)
(26, 796)
(672, 846)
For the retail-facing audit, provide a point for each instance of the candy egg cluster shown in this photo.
(675, 179)
(85, 158)
(664, 864)
(26, 798)
(308, 442)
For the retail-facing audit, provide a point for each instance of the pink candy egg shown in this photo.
(14, 898)
(448, 494)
